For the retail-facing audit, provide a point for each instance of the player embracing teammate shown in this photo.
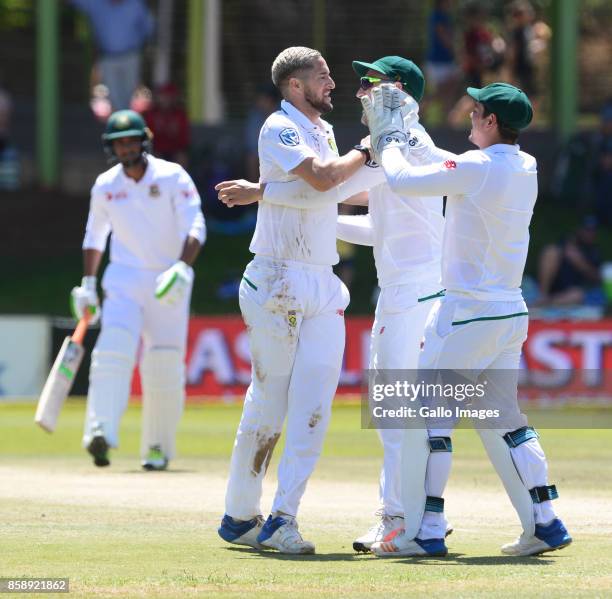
(480, 324)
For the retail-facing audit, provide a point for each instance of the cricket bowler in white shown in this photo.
(293, 306)
(481, 323)
(152, 211)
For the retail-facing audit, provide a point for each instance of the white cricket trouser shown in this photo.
(294, 314)
(131, 311)
(479, 336)
(397, 333)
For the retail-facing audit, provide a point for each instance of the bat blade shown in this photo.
(58, 385)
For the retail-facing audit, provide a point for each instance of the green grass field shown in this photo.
(121, 532)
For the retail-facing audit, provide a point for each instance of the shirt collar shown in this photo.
(301, 119)
(146, 177)
(503, 149)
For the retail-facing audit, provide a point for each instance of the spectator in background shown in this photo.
(9, 159)
(479, 54)
(440, 67)
(120, 29)
(169, 123)
(521, 61)
(569, 271)
(266, 102)
(483, 52)
(601, 180)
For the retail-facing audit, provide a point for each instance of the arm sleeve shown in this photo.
(356, 228)
(280, 142)
(98, 226)
(188, 208)
(464, 174)
(421, 150)
(299, 194)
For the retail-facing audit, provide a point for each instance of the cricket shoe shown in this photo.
(385, 525)
(549, 537)
(241, 532)
(397, 545)
(281, 532)
(155, 459)
(98, 448)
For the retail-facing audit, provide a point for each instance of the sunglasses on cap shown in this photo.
(366, 83)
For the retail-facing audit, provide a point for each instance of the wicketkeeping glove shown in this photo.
(84, 298)
(384, 115)
(173, 283)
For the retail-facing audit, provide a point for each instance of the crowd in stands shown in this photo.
(467, 45)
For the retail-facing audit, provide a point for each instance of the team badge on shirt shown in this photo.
(292, 318)
(289, 136)
(154, 190)
(450, 164)
(332, 145)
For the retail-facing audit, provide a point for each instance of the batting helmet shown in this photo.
(125, 123)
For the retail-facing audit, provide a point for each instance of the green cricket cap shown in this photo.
(510, 104)
(124, 123)
(397, 69)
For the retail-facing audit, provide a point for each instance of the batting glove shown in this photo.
(84, 298)
(174, 283)
(385, 119)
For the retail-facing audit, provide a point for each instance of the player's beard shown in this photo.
(132, 159)
(321, 105)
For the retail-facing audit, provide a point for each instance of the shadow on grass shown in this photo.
(161, 472)
(452, 559)
(460, 559)
(317, 557)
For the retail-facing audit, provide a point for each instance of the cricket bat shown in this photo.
(60, 379)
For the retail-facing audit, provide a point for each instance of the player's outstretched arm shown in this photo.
(239, 192)
(452, 177)
(323, 176)
(355, 228)
(298, 193)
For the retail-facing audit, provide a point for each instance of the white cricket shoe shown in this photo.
(241, 532)
(385, 525)
(549, 537)
(281, 532)
(398, 545)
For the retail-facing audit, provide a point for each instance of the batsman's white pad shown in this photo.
(501, 457)
(163, 384)
(110, 375)
(58, 385)
(415, 453)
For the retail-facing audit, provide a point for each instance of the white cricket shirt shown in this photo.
(491, 196)
(407, 236)
(307, 234)
(149, 219)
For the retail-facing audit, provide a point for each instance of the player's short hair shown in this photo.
(508, 134)
(289, 62)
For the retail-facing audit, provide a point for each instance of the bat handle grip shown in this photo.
(81, 328)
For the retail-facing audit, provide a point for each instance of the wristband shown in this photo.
(365, 151)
